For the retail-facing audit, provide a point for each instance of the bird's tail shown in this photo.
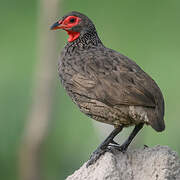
(157, 121)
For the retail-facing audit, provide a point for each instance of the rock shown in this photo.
(157, 163)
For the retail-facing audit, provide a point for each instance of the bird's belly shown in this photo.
(103, 113)
(116, 115)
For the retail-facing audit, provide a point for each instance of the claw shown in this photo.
(145, 146)
(123, 147)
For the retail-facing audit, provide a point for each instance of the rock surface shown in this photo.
(157, 163)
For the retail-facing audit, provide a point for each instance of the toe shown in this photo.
(95, 156)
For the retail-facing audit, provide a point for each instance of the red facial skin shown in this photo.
(67, 24)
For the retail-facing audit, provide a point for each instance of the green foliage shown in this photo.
(145, 31)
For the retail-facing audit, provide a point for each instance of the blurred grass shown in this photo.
(145, 31)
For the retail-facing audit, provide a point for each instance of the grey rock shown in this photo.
(157, 163)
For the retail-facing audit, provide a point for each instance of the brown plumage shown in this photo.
(106, 85)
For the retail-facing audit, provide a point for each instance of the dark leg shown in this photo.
(125, 145)
(102, 148)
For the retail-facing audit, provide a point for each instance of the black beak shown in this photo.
(55, 26)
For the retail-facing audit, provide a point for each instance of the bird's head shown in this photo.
(75, 24)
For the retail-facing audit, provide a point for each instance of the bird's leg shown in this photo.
(125, 145)
(102, 148)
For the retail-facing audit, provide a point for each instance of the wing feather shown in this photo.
(122, 83)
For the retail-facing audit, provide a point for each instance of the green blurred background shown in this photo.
(146, 31)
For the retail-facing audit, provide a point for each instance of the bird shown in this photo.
(106, 85)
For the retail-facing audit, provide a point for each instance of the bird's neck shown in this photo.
(84, 42)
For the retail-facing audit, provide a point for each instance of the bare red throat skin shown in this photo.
(67, 24)
(72, 35)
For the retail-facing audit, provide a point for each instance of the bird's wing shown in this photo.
(122, 83)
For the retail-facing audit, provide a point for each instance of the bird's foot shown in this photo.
(96, 155)
(122, 148)
(103, 147)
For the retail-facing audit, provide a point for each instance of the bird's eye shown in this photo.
(72, 20)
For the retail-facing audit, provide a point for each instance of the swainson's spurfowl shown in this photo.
(106, 85)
